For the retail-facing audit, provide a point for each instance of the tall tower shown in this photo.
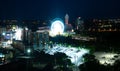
(80, 24)
(66, 19)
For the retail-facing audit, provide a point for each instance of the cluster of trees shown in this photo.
(92, 64)
(56, 62)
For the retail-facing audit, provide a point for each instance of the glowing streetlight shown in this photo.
(28, 51)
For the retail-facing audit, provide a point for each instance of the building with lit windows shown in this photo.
(68, 26)
(7, 25)
(41, 39)
(31, 24)
(79, 24)
(104, 25)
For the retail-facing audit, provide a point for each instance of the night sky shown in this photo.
(49, 9)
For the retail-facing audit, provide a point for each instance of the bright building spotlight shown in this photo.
(18, 34)
(57, 27)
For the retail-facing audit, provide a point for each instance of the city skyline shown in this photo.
(59, 35)
(50, 9)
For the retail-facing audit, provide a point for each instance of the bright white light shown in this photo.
(57, 27)
(18, 34)
(26, 28)
(3, 33)
(9, 42)
(28, 51)
(106, 58)
(1, 55)
(74, 54)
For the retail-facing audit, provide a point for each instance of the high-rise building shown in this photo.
(68, 26)
(66, 19)
(44, 39)
(41, 39)
(79, 24)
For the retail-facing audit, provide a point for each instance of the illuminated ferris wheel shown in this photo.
(57, 27)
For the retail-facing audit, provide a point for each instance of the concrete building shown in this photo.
(66, 19)
(41, 39)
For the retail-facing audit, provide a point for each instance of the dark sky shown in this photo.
(49, 9)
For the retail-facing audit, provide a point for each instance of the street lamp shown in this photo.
(28, 50)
